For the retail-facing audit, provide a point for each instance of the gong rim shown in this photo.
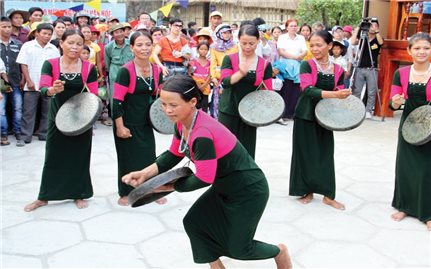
(261, 108)
(78, 114)
(340, 114)
(143, 195)
(414, 127)
(160, 122)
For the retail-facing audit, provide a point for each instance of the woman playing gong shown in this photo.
(136, 83)
(312, 166)
(66, 172)
(243, 73)
(223, 221)
(411, 86)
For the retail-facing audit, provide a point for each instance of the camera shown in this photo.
(366, 23)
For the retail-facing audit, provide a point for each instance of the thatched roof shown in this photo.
(283, 4)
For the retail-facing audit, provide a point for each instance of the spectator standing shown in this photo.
(305, 31)
(9, 49)
(173, 50)
(18, 18)
(292, 49)
(223, 45)
(338, 35)
(59, 28)
(31, 57)
(366, 72)
(200, 71)
(117, 53)
(215, 20)
(35, 15)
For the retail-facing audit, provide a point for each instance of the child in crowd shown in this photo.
(338, 53)
(200, 71)
(85, 54)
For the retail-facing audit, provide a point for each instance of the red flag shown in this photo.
(59, 13)
(134, 23)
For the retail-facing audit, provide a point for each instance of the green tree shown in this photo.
(330, 12)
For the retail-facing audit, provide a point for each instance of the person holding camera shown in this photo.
(366, 70)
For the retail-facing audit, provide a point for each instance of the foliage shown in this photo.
(330, 12)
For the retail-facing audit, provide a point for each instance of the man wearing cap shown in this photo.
(31, 57)
(9, 49)
(35, 15)
(117, 53)
(18, 18)
(215, 20)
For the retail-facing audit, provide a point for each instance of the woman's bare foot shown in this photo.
(34, 205)
(283, 259)
(306, 199)
(81, 203)
(429, 225)
(161, 201)
(333, 203)
(398, 216)
(217, 264)
(123, 201)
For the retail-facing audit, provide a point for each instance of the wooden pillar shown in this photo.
(393, 52)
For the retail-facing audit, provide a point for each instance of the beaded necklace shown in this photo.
(422, 78)
(327, 70)
(70, 76)
(183, 146)
(139, 74)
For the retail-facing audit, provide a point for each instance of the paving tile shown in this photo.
(122, 227)
(167, 249)
(342, 255)
(40, 237)
(106, 235)
(68, 211)
(13, 214)
(379, 214)
(409, 248)
(293, 238)
(372, 191)
(335, 226)
(366, 173)
(98, 255)
(15, 261)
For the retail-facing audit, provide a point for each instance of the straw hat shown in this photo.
(33, 27)
(203, 32)
(23, 13)
(116, 27)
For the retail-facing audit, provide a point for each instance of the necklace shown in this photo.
(139, 74)
(414, 72)
(328, 70)
(184, 146)
(69, 76)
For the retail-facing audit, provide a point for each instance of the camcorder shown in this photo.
(366, 23)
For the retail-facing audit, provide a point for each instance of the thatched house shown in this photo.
(274, 12)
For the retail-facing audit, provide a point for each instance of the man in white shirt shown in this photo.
(31, 57)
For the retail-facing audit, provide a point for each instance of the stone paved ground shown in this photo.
(106, 235)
